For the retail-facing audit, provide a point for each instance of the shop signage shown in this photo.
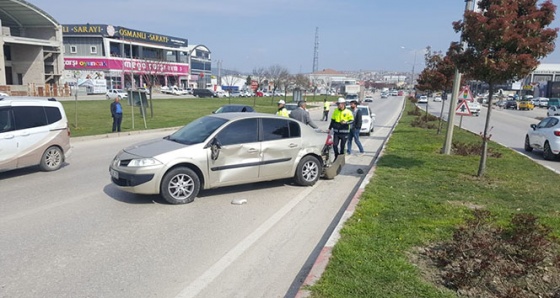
(139, 66)
(123, 33)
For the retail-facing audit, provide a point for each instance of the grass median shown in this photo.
(419, 196)
(93, 117)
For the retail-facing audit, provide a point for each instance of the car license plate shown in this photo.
(114, 173)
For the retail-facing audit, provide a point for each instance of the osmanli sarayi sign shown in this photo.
(139, 66)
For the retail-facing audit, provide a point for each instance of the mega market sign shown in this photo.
(138, 66)
(123, 33)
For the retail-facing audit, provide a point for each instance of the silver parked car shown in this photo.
(221, 150)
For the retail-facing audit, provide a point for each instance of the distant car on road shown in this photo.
(368, 118)
(526, 105)
(545, 136)
(114, 93)
(368, 99)
(511, 104)
(437, 99)
(423, 99)
(384, 95)
(543, 102)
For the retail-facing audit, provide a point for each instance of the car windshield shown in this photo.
(197, 131)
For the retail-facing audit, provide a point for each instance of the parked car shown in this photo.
(145, 90)
(114, 93)
(394, 93)
(203, 93)
(423, 99)
(222, 93)
(525, 105)
(33, 132)
(246, 93)
(400, 93)
(279, 93)
(231, 108)
(234, 94)
(173, 90)
(3, 94)
(511, 104)
(384, 95)
(368, 119)
(221, 150)
(500, 103)
(545, 136)
(437, 99)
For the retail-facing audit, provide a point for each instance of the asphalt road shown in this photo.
(71, 233)
(508, 127)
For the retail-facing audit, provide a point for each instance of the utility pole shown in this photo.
(454, 95)
(316, 51)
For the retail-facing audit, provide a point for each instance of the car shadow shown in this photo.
(125, 197)
(26, 171)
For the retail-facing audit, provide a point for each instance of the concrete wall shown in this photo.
(41, 33)
(28, 61)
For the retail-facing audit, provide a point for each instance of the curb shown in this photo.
(121, 134)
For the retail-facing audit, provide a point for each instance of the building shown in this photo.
(98, 56)
(31, 47)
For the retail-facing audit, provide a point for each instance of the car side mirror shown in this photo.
(215, 147)
(533, 126)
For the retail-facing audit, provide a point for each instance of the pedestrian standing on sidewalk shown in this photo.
(341, 120)
(355, 128)
(116, 113)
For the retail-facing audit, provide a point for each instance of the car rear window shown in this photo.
(277, 129)
(53, 114)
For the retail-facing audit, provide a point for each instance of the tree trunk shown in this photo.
(151, 94)
(485, 136)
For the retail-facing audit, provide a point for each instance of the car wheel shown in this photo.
(527, 146)
(107, 96)
(52, 159)
(547, 154)
(180, 186)
(308, 171)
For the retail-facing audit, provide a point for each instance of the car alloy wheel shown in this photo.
(308, 171)
(527, 146)
(547, 154)
(180, 186)
(52, 159)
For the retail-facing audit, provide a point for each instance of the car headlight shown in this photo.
(144, 162)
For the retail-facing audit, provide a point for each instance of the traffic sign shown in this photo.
(463, 109)
(466, 93)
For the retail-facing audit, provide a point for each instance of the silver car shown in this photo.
(220, 150)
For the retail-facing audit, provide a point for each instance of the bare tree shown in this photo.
(275, 74)
(259, 74)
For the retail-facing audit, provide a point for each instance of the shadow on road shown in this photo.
(397, 162)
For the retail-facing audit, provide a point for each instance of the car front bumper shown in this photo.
(138, 180)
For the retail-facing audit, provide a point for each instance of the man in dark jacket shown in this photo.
(116, 113)
(302, 115)
(355, 128)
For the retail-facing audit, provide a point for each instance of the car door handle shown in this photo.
(292, 145)
(252, 150)
(24, 133)
(10, 136)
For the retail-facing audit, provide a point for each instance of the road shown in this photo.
(508, 127)
(71, 233)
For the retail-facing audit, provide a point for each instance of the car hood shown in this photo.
(153, 148)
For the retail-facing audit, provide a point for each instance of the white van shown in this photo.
(33, 132)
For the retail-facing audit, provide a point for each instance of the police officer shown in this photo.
(282, 111)
(326, 107)
(341, 120)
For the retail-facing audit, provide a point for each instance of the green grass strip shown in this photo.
(417, 196)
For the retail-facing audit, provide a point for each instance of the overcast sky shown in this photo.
(245, 34)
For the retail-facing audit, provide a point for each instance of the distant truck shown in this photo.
(352, 91)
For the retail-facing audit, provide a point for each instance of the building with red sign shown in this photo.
(99, 57)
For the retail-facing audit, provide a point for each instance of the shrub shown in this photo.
(483, 260)
(464, 149)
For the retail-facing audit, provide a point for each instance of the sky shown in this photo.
(243, 35)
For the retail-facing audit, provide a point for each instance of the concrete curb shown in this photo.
(121, 134)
